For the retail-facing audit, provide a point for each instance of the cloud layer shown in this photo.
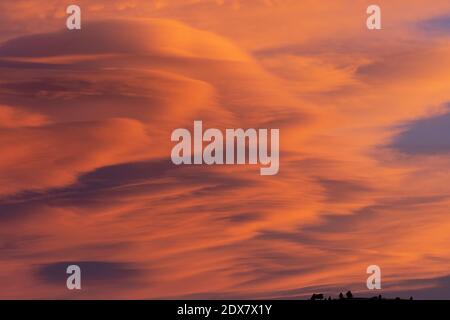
(85, 123)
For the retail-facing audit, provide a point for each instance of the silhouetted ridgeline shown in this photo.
(349, 296)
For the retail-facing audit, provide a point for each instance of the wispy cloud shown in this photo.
(85, 122)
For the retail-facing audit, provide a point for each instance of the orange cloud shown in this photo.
(86, 120)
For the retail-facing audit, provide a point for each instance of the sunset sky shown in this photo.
(86, 176)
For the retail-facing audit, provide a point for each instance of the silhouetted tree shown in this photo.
(318, 296)
(341, 296)
(349, 295)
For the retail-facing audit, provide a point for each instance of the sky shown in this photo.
(86, 176)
